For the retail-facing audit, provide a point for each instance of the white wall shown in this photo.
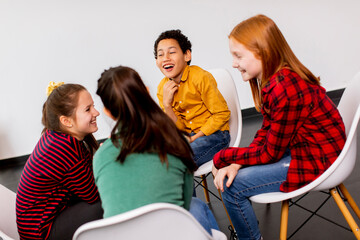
(75, 40)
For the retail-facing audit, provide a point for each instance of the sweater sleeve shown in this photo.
(188, 189)
(79, 179)
(281, 117)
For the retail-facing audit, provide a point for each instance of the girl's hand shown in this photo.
(229, 171)
(214, 170)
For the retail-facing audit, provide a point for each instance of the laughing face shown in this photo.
(171, 60)
(245, 61)
(84, 120)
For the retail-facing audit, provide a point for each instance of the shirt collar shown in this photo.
(185, 74)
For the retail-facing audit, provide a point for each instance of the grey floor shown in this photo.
(268, 215)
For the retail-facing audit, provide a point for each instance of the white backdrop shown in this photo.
(75, 40)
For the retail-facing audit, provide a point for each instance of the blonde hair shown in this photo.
(263, 38)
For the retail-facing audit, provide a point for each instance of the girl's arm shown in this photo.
(285, 115)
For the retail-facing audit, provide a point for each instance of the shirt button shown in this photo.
(187, 111)
(190, 122)
(180, 102)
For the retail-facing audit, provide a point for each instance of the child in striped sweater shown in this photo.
(57, 192)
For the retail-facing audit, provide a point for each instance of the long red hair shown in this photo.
(260, 35)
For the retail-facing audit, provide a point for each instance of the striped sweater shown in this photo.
(58, 171)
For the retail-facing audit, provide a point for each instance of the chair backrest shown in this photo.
(227, 87)
(349, 108)
(160, 221)
(8, 213)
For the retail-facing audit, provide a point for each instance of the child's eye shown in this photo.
(237, 56)
(172, 52)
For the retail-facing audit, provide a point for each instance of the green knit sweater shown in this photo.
(142, 179)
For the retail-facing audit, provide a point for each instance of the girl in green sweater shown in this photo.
(147, 159)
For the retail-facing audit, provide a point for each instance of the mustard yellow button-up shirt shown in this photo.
(198, 103)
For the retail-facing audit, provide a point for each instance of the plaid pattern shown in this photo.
(297, 116)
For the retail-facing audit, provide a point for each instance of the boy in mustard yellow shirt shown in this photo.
(190, 97)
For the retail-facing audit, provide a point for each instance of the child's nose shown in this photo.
(235, 64)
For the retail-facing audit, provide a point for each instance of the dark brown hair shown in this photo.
(263, 38)
(63, 102)
(177, 35)
(141, 124)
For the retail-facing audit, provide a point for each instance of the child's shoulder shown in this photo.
(197, 69)
(281, 78)
(108, 147)
(199, 74)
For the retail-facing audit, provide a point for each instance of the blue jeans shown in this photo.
(205, 147)
(203, 214)
(248, 182)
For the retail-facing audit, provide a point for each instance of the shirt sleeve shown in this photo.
(79, 180)
(273, 138)
(260, 135)
(215, 103)
(179, 123)
(159, 94)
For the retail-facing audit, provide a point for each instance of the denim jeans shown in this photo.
(203, 214)
(248, 182)
(205, 147)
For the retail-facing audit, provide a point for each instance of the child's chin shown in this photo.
(94, 129)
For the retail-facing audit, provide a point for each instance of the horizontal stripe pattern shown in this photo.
(58, 170)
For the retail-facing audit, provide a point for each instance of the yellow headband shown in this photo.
(52, 86)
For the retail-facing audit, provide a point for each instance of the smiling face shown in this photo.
(245, 61)
(83, 121)
(171, 60)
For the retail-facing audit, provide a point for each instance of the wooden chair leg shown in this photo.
(350, 200)
(227, 214)
(284, 219)
(206, 193)
(350, 220)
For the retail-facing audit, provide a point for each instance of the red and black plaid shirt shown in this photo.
(297, 116)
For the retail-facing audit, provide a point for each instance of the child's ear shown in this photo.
(66, 121)
(187, 55)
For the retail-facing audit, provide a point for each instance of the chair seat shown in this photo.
(159, 221)
(204, 169)
(272, 197)
(8, 214)
(3, 236)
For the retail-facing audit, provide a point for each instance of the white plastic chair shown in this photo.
(334, 176)
(227, 87)
(8, 227)
(158, 221)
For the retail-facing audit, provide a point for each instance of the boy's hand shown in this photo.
(169, 90)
